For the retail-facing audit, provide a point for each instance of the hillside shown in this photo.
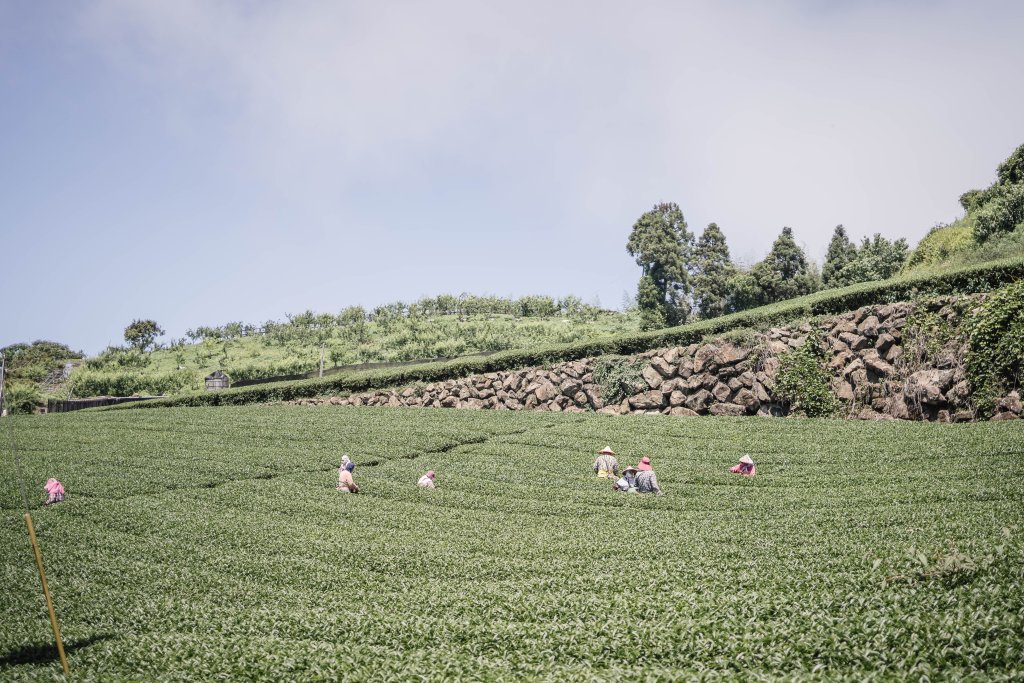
(442, 327)
(831, 302)
(210, 543)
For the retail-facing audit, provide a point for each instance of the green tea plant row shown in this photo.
(203, 544)
(967, 280)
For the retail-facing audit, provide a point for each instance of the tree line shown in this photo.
(685, 276)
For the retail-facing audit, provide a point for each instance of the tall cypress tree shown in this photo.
(713, 269)
(841, 252)
(784, 273)
(662, 247)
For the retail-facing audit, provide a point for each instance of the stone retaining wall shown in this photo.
(875, 375)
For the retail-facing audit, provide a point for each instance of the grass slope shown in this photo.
(966, 280)
(209, 543)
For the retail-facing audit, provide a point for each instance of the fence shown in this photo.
(53, 406)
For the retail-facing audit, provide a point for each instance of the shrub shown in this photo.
(22, 397)
(618, 378)
(803, 380)
(995, 357)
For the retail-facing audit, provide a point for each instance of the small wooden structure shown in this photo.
(217, 380)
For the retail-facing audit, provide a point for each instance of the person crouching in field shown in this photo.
(427, 480)
(647, 482)
(627, 484)
(746, 467)
(606, 466)
(54, 491)
(346, 484)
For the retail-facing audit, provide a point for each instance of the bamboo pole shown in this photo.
(46, 592)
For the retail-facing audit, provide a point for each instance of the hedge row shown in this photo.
(830, 302)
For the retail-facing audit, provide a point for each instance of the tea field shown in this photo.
(209, 544)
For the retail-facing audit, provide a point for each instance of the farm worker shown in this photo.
(647, 482)
(606, 466)
(644, 465)
(346, 484)
(628, 481)
(746, 467)
(54, 491)
(427, 480)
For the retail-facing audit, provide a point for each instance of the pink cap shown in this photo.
(430, 474)
(645, 463)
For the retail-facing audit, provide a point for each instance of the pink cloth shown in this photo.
(744, 469)
(54, 491)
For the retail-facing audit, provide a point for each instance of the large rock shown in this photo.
(731, 354)
(929, 386)
(664, 368)
(869, 326)
(875, 363)
(884, 341)
(747, 399)
(730, 409)
(704, 359)
(1011, 403)
(647, 401)
(721, 392)
(842, 389)
(699, 400)
(682, 412)
(854, 341)
(676, 399)
(959, 393)
(652, 377)
(570, 387)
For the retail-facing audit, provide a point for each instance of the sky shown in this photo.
(198, 162)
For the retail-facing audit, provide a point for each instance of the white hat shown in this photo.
(746, 460)
(607, 450)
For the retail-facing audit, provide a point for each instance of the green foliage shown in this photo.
(841, 252)
(803, 379)
(650, 304)
(128, 383)
(876, 259)
(199, 544)
(830, 302)
(998, 208)
(22, 397)
(941, 244)
(712, 271)
(784, 272)
(36, 361)
(995, 357)
(663, 248)
(618, 378)
(141, 334)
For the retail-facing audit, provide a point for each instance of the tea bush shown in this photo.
(210, 544)
(995, 358)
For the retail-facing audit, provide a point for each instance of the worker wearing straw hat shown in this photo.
(627, 483)
(606, 466)
(745, 467)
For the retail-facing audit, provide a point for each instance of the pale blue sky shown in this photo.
(198, 162)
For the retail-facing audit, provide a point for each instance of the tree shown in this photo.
(999, 207)
(713, 269)
(877, 259)
(841, 252)
(662, 247)
(784, 272)
(142, 333)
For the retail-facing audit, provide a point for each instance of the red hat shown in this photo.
(645, 464)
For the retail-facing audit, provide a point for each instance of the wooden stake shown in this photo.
(46, 592)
